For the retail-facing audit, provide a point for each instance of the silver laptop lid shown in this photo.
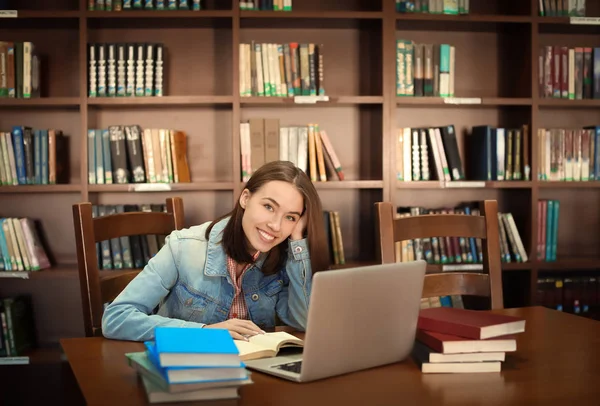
(363, 317)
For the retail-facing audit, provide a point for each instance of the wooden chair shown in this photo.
(486, 284)
(97, 289)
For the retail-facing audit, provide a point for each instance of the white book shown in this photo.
(407, 158)
(293, 145)
(121, 70)
(101, 70)
(260, 86)
(139, 71)
(16, 224)
(303, 148)
(92, 71)
(111, 70)
(11, 158)
(266, 69)
(27, 66)
(130, 69)
(158, 71)
(283, 143)
(149, 71)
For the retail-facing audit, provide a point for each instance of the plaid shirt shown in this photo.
(238, 306)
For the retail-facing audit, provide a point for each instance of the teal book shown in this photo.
(194, 373)
(182, 346)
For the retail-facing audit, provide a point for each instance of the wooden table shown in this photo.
(557, 363)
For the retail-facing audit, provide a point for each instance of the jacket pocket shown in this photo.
(193, 305)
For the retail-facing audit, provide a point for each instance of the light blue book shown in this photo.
(182, 346)
(196, 373)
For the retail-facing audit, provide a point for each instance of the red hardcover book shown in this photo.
(469, 323)
(452, 344)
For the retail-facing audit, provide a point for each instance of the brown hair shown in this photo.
(234, 239)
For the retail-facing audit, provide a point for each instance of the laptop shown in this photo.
(358, 318)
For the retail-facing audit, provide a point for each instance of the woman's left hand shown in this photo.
(298, 231)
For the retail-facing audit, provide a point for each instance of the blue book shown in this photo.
(196, 373)
(182, 346)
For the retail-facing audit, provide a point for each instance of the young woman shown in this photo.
(238, 272)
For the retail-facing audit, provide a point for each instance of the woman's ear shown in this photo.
(244, 198)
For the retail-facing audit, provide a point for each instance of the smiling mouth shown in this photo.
(266, 236)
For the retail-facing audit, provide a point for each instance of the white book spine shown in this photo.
(303, 148)
(407, 141)
(101, 71)
(293, 145)
(158, 72)
(112, 73)
(130, 66)
(266, 69)
(149, 71)
(284, 139)
(121, 71)
(139, 71)
(259, 70)
(92, 72)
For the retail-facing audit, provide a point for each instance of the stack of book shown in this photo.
(451, 340)
(189, 364)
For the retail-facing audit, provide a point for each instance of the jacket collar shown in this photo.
(216, 259)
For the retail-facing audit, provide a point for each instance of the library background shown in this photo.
(432, 105)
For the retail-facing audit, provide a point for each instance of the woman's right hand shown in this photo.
(239, 329)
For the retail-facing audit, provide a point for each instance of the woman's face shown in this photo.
(270, 214)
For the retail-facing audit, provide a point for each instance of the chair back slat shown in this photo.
(98, 288)
(391, 230)
(440, 225)
(132, 223)
(459, 283)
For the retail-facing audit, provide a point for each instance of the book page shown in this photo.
(246, 348)
(273, 340)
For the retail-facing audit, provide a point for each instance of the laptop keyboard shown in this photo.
(290, 366)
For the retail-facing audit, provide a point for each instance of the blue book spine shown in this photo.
(549, 229)
(4, 249)
(107, 157)
(37, 156)
(91, 157)
(17, 139)
(99, 157)
(44, 141)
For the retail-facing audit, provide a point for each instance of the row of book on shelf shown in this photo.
(308, 147)
(31, 156)
(425, 69)
(135, 251)
(266, 5)
(126, 69)
(17, 329)
(452, 7)
(459, 250)
(571, 294)
(562, 8)
(130, 154)
(22, 245)
(569, 72)
(124, 5)
(569, 154)
(19, 70)
(281, 69)
(492, 154)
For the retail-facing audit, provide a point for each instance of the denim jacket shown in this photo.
(189, 281)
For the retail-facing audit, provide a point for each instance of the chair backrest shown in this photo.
(98, 288)
(485, 226)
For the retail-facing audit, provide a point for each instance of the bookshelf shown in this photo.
(497, 49)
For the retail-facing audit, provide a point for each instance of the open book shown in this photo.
(266, 345)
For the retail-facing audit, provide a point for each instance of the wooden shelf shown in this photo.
(463, 18)
(568, 185)
(566, 103)
(160, 187)
(349, 184)
(506, 266)
(447, 102)
(41, 102)
(435, 184)
(180, 101)
(569, 263)
(160, 14)
(59, 271)
(351, 15)
(48, 14)
(41, 189)
(289, 101)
